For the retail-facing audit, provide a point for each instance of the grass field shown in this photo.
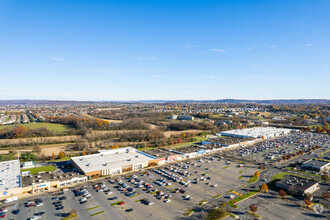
(240, 198)
(253, 179)
(40, 169)
(50, 126)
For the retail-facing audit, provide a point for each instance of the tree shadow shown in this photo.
(314, 215)
(266, 196)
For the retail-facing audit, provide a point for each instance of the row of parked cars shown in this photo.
(84, 193)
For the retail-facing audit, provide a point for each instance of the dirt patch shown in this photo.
(169, 133)
(108, 120)
(48, 150)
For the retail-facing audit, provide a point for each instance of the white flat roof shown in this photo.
(111, 159)
(256, 132)
(10, 176)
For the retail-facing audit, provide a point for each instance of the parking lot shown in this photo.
(271, 208)
(271, 150)
(151, 194)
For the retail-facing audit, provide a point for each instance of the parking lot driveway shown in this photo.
(275, 209)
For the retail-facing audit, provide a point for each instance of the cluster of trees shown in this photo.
(185, 125)
(132, 124)
(149, 117)
(81, 124)
(324, 129)
(142, 136)
(24, 132)
(28, 156)
(298, 153)
(12, 155)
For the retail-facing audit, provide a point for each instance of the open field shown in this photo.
(40, 140)
(261, 113)
(108, 120)
(48, 149)
(50, 126)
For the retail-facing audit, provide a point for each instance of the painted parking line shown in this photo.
(161, 214)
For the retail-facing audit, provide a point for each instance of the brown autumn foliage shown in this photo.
(325, 195)
(282, 193)
(264, 187)
(253, 207)
(307, 202)
(257, 173)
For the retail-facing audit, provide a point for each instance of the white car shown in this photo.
(35, 217)
(108, 193)
(82, 199)
(167, 200)
(39, 204)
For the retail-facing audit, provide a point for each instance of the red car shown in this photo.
(2, 215)
(122, 203)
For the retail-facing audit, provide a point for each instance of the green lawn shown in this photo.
(190, 212)
(94, 207)
(253, 179)
(254, 214)
(97, 213)
(196, 139)
(281, 175)
(40, 169)
(116, 203)
(217, 196)
(299, 171)
(50, 126)
(240, 198)
(63, 159)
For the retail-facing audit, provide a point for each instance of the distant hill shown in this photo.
(229, 101)
(275, 101)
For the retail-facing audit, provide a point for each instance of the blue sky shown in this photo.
(144, 50)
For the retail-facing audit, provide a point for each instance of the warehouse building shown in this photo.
(111, 162)
(10, 179)
(256, 132)
(318, 165)
(299, 185)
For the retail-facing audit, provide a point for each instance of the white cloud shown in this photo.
(210, 76)
(273, 46)
(158, 76)
(153, 58)
(189, 46)
(138, 58)
(57, 59)
(218, 50)
(309, 44)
